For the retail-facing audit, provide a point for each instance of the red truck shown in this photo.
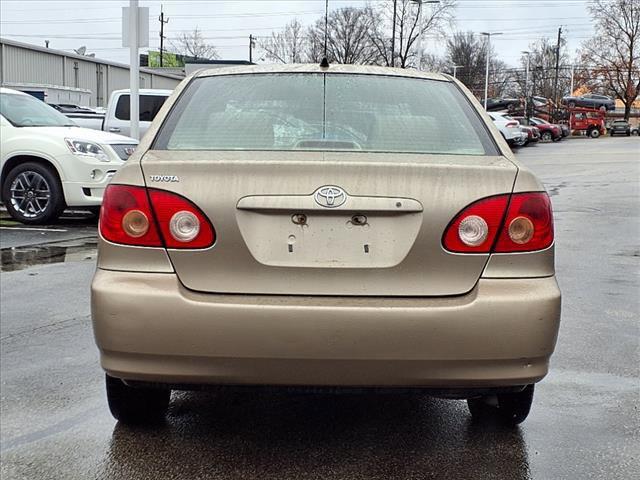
(589, 120)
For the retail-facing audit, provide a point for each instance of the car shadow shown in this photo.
(284, 435)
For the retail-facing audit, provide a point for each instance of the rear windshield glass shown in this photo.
(149, 107)
(326, 112)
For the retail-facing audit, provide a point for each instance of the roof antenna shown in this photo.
(325, 62)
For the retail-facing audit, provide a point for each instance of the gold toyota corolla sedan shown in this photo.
(344, 227)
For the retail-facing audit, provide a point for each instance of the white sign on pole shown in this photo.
(143, 27)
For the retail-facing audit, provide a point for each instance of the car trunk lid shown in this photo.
(284, 227)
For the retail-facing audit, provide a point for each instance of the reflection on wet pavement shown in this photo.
(287, 436)
(19, 258)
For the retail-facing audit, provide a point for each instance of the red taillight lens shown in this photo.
(127, 217)
(526, 225)
(125, 209)
(512, 124)
(491, 210)
(182, 224)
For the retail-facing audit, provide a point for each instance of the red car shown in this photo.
(548, 131)
(533, 133)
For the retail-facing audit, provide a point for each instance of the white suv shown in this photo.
(48, 163)
(509, 128)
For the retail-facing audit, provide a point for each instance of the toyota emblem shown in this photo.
(330, 196)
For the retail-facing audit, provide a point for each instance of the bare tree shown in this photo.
(434, 63)
(612, 56)
(469, 52)
(434, 20)
(348, 38)
(542, 64)
(193, 44)
(288, 46)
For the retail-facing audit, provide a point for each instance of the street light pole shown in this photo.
(134, 105)
(526, 82)
(419, 46)
(486, 73)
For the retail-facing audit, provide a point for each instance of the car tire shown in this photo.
(546, 137)
(507, 408)
(136, 405)
(594, 133)
(571, 104)
(32, 193)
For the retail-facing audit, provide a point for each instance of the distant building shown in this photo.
(57, 76)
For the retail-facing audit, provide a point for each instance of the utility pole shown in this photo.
(486, 73)
(252, 44)
(572, 74)
(393, 34)
(419, 46)
(555, 81)
(162, 37)
(526, 82)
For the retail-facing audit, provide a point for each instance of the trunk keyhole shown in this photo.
(299, 219)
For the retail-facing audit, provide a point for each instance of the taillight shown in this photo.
(479, 221)
(528, 225)
(504, 223)
(182, 224)
(512, 124)
(126, 217)
(153, 218)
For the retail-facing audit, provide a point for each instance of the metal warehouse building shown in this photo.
(60, 77)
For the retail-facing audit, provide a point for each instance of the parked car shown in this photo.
(635, 130)
(620, 127)
(548, 132)
(117, 117)
(564, 129)
(590, 101)
(70, 108)
(509, 128)
(307, 227)
(533, 134)
(48, 163)
(496, 104)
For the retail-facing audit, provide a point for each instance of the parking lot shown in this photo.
(584, 422)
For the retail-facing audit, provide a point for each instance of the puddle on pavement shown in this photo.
(19, 258)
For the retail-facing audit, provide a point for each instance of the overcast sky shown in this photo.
(227, 24)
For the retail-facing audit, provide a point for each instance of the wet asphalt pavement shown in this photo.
(584, 423)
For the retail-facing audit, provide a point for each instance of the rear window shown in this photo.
(325, 112)
(149, 107)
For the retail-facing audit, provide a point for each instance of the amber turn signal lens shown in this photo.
(521, 230)
(135, 223)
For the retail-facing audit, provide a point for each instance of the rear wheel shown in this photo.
(32, 193)
(508, 408)
(136, 405)
(546, 136)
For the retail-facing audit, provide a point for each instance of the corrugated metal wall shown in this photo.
(33, 65)
(22, 65)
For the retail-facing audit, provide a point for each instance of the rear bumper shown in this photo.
(150, 328)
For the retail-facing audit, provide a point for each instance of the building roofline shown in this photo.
(62, 53)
